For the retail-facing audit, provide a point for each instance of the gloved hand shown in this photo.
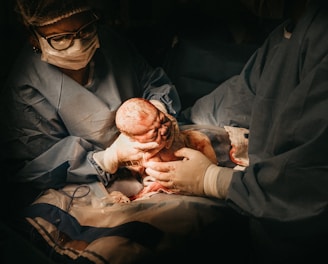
(124, 152)
(185, 176)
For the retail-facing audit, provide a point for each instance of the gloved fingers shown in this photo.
(129, 150)
(170, 184)
(148, 180)
(188, 153)
(126, 143)
(166, 173)
(186, 175)
(150, 153)
(149, 146)
(161, 176)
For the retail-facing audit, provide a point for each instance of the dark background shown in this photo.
(153, 24)
(199, 43)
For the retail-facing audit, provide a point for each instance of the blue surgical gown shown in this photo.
(281, 95)
(52, 123)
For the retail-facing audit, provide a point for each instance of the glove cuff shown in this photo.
(217, 180)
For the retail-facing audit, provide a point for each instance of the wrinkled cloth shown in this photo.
(281, 96)
(239, 145)
(81, 226)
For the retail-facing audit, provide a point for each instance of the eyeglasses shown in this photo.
(63, 41)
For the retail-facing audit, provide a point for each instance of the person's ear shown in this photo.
(34, 42)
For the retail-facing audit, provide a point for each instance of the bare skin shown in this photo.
(141, 121)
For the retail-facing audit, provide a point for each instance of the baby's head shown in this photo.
(139, 119)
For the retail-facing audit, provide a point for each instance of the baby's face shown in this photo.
(155, 128)
(140, 120)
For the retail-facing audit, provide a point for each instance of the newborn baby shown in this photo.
(142, 121)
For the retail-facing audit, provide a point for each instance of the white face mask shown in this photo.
(74, 58)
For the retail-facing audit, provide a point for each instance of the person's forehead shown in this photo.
(69, 24)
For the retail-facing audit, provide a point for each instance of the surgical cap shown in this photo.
(46, 12)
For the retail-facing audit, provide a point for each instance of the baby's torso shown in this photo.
(190, 139)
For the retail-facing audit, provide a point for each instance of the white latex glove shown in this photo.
(124, 152)
(185, 176)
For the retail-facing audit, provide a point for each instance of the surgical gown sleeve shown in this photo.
(282, 97)
(229, 104)
(39, 147)
(159, 87)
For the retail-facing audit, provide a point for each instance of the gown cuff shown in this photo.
(217, 180)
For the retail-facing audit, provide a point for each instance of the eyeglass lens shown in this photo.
(65, 40)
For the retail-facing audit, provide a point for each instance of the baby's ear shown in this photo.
(159, 105)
